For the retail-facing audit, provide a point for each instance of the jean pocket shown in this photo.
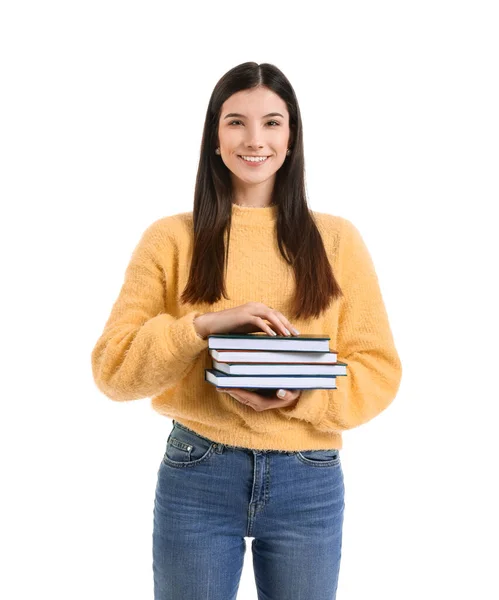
(185, 448)
(320, 458)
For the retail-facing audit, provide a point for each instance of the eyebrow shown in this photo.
(272, 114)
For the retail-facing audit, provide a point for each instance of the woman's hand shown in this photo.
(249, 318)
(245, 318)
(258, 402)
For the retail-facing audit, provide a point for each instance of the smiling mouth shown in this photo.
(259, 160)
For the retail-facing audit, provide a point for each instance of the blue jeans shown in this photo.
(210, 496)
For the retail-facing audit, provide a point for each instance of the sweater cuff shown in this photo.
(183, 339)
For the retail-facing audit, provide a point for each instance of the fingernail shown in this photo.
(295, 331)
(281, 393)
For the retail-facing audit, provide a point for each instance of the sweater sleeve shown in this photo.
(364, 341)
(143, 350)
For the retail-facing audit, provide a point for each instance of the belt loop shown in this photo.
(219, 448)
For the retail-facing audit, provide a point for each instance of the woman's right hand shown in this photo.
(245, 318)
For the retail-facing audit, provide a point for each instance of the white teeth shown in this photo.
(254, 158)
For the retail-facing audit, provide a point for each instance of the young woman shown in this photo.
(250, 257)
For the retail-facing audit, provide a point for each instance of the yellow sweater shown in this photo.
(149, 347)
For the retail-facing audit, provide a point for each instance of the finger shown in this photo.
(272, 316)
(260, 323)
(261, 311)
(287, 323)
(289, 400)
(251, 399)
(269, 316)
(260, 403)
(288, 393)
(282, 324)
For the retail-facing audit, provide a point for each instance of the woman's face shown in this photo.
(250, 126)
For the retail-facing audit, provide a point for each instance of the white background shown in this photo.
(101, 112)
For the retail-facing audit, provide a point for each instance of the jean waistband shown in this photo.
(221, 445)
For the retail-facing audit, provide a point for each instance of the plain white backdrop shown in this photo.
(101, 112)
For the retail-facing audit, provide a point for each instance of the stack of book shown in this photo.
(265, 363)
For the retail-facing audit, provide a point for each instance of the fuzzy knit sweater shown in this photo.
(149, 347)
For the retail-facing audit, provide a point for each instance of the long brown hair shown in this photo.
(298, 237)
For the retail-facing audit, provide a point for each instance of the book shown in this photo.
(265, 363)
(337, 369)
(276, 357)
(274, 382)
(264, 341)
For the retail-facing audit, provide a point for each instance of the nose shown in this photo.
(253, 138)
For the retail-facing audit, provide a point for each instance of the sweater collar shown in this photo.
(254, 216)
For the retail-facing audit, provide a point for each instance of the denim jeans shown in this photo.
(210, 496)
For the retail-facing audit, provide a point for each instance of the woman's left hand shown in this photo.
(258, 402)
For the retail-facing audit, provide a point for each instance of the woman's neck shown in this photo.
(254, 205)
